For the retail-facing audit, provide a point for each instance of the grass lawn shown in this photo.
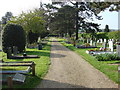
(41, 68)
(110, 70)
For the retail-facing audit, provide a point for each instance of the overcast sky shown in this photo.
(17, 6)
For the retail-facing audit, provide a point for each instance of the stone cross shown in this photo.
(111, 45)
(118, 50)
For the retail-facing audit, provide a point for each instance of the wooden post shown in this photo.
(10, 82)
(33, 69)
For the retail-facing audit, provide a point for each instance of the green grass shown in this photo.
(41, 68)
(110, 70)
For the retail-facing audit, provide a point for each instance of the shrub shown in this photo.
(13, 35)
(114, 35)
(107, 57)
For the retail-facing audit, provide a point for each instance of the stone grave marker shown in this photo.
(91, 42)
(118, 50)
(105, 40)
(104, 45)
(15, 50)
(9, 53)
(98, 41)
(101, 41)
(87, 40)
(111, 45)
(19, 77)
(94, 44)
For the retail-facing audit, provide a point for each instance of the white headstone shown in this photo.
(105, 40)
(111, 45)
(98, 41)
(101, 41)
(104, 45)
(91, 42)
(118, 50)
(87, 40)
(95, 44)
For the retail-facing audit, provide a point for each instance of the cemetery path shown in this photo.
(69, 70)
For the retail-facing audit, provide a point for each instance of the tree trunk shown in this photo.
(77, 21)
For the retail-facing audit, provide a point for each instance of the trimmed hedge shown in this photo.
(13, 35)
(107, 57)
(114, 35)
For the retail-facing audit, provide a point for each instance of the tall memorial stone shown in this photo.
(94, 44)
(118, 50)
(111, 45)
(9, 53)
(101, 41)
(91, 42)
(104, 43)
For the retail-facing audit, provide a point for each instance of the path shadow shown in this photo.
(54, 55)
(58, 47)
(56, 84)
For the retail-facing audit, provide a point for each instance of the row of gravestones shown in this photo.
(9, 51)
(110, 43)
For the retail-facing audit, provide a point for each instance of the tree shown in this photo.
(106, 28)
(13, 35)
(33, 21)
(114, 35)
(83, 12)
(7, 17)
(63, 21)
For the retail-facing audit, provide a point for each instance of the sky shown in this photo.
(17, 6)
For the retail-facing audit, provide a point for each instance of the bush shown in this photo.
(114, 35)
(107, 57)
(13, 35)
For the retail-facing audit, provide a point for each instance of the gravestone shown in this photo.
(87, 40)
(15, 50)
(104, 45)
(94, 44)
(9, 53)
(98, 41)
(91, 42)
(105, 40)
(118, 50)
(111, 45)
(19, 77)
(101, 41)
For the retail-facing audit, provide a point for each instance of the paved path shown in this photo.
(69, 70)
